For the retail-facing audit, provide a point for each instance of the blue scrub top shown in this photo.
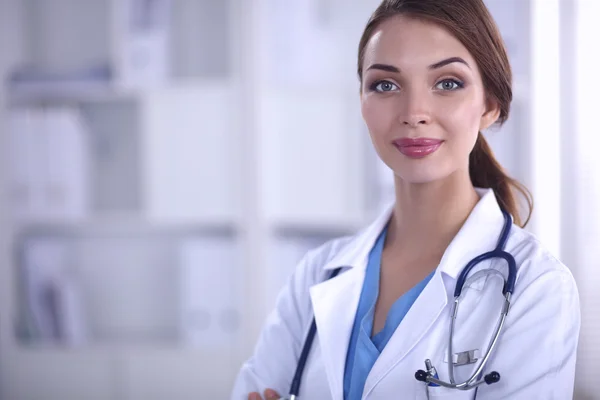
(363, 349)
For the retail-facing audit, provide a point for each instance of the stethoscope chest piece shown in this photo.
(430, 376)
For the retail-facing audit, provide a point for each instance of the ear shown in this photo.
(490, 114)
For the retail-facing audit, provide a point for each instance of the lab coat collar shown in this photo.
(335, 300)
(479, 234)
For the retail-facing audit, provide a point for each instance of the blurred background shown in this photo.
(167, 162)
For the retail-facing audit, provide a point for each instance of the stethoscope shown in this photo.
(430, 376)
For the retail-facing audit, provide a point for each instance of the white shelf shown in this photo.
(52, 94)
(124, 223)
(155, 348)
(316, 226)
(146, 372)
(168, 155)
(59, 374)
(180, 374)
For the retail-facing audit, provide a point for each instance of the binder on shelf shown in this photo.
(49, 164)
(210, 289)
(299, 43)
(132, 288)
(142, 42)
(24, 163)
(67, 170)
(52, 293)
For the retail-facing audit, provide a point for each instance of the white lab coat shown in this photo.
(535, 355)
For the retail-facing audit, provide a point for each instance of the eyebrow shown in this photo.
(384, 67)
(439, 64)
(447, 61)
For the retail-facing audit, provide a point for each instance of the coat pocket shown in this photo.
(442, 393)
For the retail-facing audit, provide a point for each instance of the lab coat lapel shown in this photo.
(335, 300)
(478, 235)
(415, 325)
(334, 303)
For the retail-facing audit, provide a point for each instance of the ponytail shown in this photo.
(486, 172)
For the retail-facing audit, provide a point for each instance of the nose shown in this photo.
(415, 120)
(415, 111)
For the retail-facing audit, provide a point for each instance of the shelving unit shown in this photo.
(225, 149)
(164, 167)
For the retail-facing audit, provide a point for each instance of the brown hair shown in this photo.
(471, 23)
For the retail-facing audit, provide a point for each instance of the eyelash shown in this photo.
(459, 85)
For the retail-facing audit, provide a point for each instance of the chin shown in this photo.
(422, 171)
(420, 177)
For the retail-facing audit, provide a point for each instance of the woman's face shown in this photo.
(423, 99)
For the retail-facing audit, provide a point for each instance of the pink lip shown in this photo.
(418, 147)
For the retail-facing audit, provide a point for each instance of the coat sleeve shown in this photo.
(273, 362)
(537, 349)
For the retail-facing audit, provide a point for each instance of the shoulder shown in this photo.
(539, 269)
(533, 258)
(543, 324)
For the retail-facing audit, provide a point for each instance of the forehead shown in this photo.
(405, 41)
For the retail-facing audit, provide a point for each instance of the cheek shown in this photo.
(461, 121)
(378, 116)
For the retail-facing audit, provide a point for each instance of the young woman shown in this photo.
(433, 75)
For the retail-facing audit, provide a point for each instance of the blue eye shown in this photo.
(383, 86)
(449, 85)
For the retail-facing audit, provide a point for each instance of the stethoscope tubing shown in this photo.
(471, 383)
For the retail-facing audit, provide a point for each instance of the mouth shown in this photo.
(417, 147)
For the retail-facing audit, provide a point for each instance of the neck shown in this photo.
(427, 216)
